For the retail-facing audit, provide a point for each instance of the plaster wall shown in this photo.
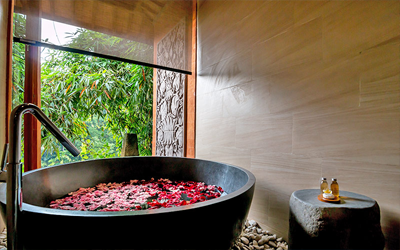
(296, 90)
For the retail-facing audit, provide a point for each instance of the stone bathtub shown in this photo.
(212, 224)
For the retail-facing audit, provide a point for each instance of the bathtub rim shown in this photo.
(26, 207)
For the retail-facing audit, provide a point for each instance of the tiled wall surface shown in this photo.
(293, 90)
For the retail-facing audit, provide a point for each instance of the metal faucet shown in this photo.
(14, 167)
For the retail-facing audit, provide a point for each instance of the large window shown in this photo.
(94, 101)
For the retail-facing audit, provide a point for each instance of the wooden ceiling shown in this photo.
(131, 19)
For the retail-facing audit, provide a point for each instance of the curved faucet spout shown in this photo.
(14, 168)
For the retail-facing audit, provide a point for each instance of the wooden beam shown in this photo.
(32, 137)
(9, 67)
(153, 143)
(190, 131)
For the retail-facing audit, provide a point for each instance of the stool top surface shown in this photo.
(347, 199)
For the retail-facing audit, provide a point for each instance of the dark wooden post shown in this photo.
(9, 66)
(32, 137)
(190, 131)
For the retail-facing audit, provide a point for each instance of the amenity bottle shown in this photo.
(335, 187)
(323, 185)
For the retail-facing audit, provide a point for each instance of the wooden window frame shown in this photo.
(190, 116)
(9, 69)
(32, 87)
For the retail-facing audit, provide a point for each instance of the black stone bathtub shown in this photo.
(212, 224)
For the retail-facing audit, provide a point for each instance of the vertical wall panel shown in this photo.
(170, 94)
(173, 42)
(293, 90)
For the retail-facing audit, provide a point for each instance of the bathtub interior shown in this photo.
(44, 185)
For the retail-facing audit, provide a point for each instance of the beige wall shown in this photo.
(293, 90)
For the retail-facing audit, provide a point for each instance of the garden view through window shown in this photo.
(94, 101)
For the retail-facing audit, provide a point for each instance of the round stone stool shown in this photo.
(354, 223)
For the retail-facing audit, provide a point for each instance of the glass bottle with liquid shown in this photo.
(335, 187)
(323, 185)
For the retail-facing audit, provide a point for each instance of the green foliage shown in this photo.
(110, 45)
(94, 101)
(18, 57)
(18, 73)
(77, 88)
(99, 143)
(19, 25)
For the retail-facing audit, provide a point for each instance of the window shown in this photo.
(124, 31)
(94, 101)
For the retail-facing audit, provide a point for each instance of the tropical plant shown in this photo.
(18, 57)
(94, 101)
(77, 89)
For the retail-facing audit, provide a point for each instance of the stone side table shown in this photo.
(354, 223)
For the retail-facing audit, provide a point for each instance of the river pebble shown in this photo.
(254, 237)
(3, 240)
(244, 240)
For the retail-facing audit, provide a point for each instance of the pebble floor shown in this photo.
(3, 240)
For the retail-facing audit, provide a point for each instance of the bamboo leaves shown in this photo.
(89, 97)
(117, 92)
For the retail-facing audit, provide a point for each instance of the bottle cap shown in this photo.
(334, 179)
(323, 178)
